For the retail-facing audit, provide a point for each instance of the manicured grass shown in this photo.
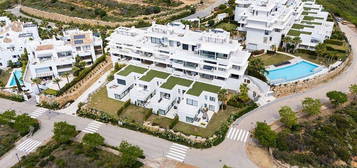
(173, 81)
(100, 101)
(131, 68)
(227, 26)
(272, 59)
(4, 76)
(311, 23)
(214, 124)
(50, 92)
(154, 74)
(199, 87)
(297, 33)
(310, 18)
(300, 26)
(135, 114)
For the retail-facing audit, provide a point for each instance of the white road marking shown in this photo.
(237, 134)
(177, 152)
(28, 145)
(93, 127)
(38, 112)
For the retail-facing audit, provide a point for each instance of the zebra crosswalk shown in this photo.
(93, 127)
(177, 152)
(237, 134)
(38, 112)
(28, 145)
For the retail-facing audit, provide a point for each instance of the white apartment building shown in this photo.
(176, 71)
(312, 26)
(14, 37)
(267, 22)
(51, 57)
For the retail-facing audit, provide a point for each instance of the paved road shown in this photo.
(205, 12)
(16, 11)
(230, 152)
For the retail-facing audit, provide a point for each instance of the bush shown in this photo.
(257, 52)
(174, 122)
(122, 108)
(13, 97)
(334, 42)
(51, 105)
(50, 92)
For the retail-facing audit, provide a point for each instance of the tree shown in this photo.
(79, 65)
(286, 41)
(288, 116)
(57, 81)
(92, 141)
(256, 68)
(10, 64)
(66, 75)
(296, 41)
(243, 93)
(265, 136)
(311, 106)
(63, 132)
(17, 81)
(23, 123)
(37, 81)
(337, 97)
(353, 90)
(222, 96)
(100, 12)
(321, 50)
(130, 154)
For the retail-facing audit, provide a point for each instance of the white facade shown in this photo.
(52, 57)
(210, 56)
(14, 37)
(266, 22)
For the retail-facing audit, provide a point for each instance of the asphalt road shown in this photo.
(229, 152)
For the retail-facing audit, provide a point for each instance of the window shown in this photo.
(208, 54)
(212, 98)
(121, 81)
(194, 48)
(78, 48)
(206, 97)
(171, 43)
(14, 56)
(155, 40)
(236, 67)
(266, 32)
(211, 107)
(189, 119)
(191, 102)
(184, 46)
(222, 56)
(117, 96)
(87, 47)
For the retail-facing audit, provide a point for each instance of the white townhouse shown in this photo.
(312, 26)
(14, 38)
(174, 70)
(51, 57)
(267, 22)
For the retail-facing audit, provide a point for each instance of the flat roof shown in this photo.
(173, 81)
(132, 68)
(154, 74)
(199, 87)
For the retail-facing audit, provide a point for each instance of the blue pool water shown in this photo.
(292, 72)
(18, 74)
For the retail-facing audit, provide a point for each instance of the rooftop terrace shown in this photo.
(154, 74)
(199, 87)
(131, 68)
(173, 81)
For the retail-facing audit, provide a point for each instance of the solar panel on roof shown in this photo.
(82, 36)
(78, 41)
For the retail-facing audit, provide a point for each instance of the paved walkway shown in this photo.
(230, 152)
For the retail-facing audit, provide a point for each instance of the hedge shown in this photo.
(13, 97)
(334, 42)
(81, 75)
(216, 139)
(122, 108)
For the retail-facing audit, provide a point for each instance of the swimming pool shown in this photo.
(291, 72)
(18, 74)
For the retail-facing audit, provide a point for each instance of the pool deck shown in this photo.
(296, 60)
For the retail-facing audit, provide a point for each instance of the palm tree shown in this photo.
(222, 96)
(66, 75)
(37, 81)
(286, 42)
(57, 81)
(296, 41)
(321, 50)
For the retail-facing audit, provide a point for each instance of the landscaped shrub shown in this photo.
(174, 122)
(50, 105)
(257, 52)
(13, 97)
(334, 42)
(122, 108)
(50, 92)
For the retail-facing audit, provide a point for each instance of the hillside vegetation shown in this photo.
(343, 8)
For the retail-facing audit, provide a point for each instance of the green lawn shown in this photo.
(310, 58)
(154, 74)
(100, 101)
(173, 81)
(297, 33)
(4, 76)
(131, 68)
(269, 59)
(214, 124)
(135, 114)
(311, 23)
(227, 26)
(300, 26)
(199, 87)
